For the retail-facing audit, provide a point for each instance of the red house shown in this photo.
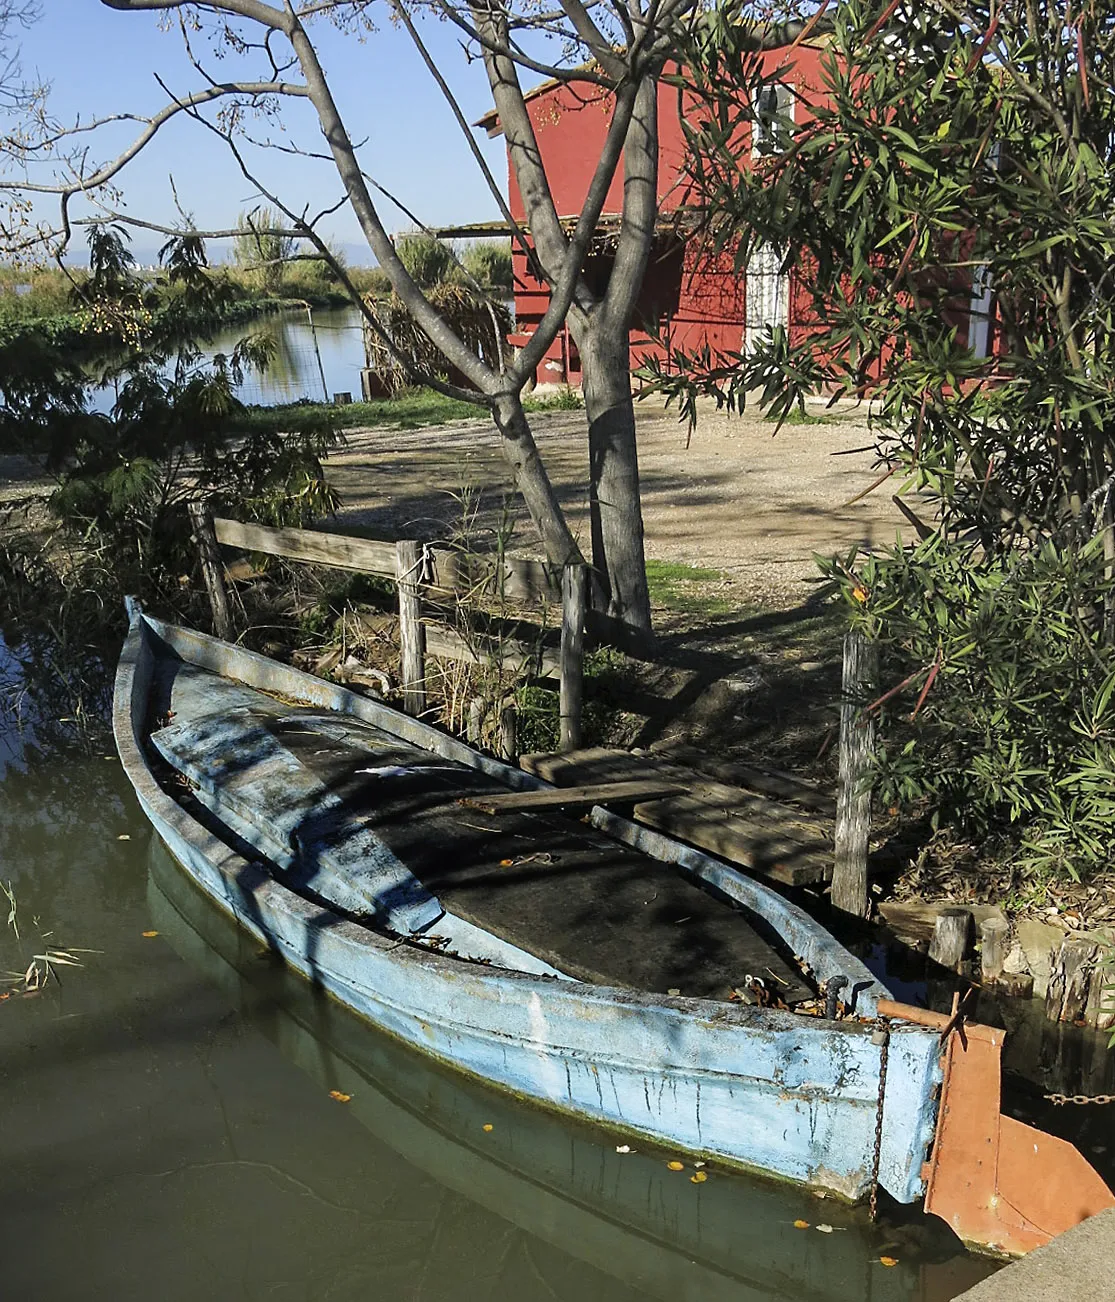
(690, 297)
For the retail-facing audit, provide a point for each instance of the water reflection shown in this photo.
(315, 356)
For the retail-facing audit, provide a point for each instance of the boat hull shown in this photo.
(789, 1096)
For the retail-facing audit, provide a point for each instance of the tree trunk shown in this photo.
(615, 506)
(533, 482)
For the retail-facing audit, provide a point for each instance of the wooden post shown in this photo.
(574, 588)
(853, 802)
(477, 708)
(201, 518)
(412, 632)
(509, 733)
(950, 937)
(993, 947)
(1070, 979)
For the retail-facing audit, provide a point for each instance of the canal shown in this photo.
(316, 354)
(180, 1118)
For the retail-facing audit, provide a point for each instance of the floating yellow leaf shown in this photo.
(507, 863)
(676, 1166)
(889, 1261)
(488, 1126)
(341, 1098)
(699, 1178)
(801, 1225)
(148, 934)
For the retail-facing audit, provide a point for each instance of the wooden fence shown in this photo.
(421, 571)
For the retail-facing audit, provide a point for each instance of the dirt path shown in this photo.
(738, 499)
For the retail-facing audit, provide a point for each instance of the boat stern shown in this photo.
(1003, 1187)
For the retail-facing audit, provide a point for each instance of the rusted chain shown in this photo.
(882, 1037)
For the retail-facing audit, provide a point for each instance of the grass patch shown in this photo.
(690, 589)
(799, 417)
(562, 400)
(411, 410)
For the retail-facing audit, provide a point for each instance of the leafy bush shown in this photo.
(489, 265)
(1004, 719)
(175, 432)
(429, 260)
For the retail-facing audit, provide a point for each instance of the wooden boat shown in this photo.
(624, 1213)
(585, 965)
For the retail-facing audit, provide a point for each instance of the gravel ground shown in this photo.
(737, 498)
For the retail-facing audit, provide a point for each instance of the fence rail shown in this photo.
(419, 571)
(519, 578)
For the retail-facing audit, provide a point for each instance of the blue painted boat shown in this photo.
(365, 877)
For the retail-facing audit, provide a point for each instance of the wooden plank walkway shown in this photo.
(770, 838)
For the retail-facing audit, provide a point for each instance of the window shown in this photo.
(774, 119)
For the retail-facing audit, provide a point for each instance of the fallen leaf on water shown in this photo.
(824, 1229)
(341, 1098)
(801, 1225)
(676, 1166)
(488, 1126)
(889, 1261)
(148, 934)
(699, 1178)
(123, 837)
(623, 1148)
(698, 1165)
(507, 863)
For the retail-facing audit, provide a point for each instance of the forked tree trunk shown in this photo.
(619, 561)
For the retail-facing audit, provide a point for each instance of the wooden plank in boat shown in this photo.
(770, 839)
(568, 798)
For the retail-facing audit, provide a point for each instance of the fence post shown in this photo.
(574, 588)
(853, 801)
(509, 733)
(201, 518)
(412, 632)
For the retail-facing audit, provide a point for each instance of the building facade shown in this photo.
(691, 297)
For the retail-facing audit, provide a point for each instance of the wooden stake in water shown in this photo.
(412, 632)
(853, 802)
(994, 933)
(951, 933)
(201, 518)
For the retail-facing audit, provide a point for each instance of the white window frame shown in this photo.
(774, 113)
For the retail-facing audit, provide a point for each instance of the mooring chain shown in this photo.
(1080, 1099)
(881, 1037)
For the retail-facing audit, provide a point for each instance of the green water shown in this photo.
(167, 1129)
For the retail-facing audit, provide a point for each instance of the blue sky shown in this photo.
(100, 61)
